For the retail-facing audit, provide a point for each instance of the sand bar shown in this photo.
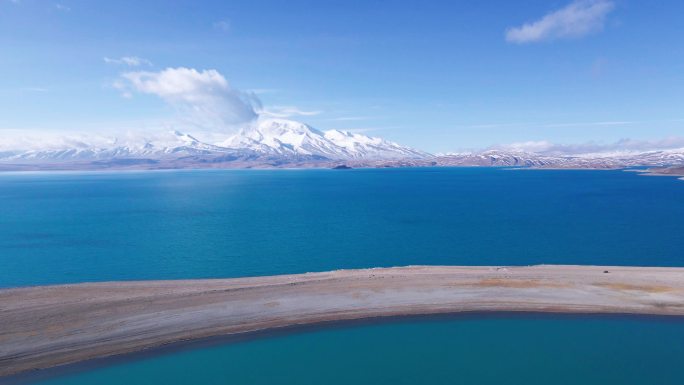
(47, 326)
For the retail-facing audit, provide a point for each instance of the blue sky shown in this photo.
(438, 75)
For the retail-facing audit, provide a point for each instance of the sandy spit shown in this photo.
(47, 326)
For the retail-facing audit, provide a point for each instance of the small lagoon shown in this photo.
(476, 349)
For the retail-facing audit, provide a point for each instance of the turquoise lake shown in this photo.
(76, 227)
(60, 228)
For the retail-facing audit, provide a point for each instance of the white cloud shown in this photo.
(605, 123)
(622, 145)
(577, 19)
(131, 61)
(287, 112)
(362, 130)
(62, 7)
(204, 98)
(352, 118)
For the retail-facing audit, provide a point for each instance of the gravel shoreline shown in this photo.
(47, 326)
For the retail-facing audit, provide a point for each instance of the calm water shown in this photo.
(58, 228)
(474, 351)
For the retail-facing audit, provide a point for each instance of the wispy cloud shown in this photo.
(362, 130)
(222, 25)
(622, 145)
(577, 19)
(567, 124)
(131, 61)
(605, 123)
(35, 89)
(204, 98)
(262, 91)
(62, 7)
(288, 112)
(352, 118)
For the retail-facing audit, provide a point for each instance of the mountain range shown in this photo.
(267, 141)
(280, 143)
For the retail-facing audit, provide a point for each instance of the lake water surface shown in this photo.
(62, 228)
(482, 350)
(76, 227)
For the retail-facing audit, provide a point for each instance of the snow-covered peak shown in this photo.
(362, 146)
(36, 147)
(348, 139)
(280, 140)
(287, 137)
(279, 137)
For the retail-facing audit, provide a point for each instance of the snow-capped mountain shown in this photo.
(287, 137)
(593, 160)
(86, 147)
(280, 143)
(272, 140)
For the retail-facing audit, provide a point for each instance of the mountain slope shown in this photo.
(281, 143)
(287, 137)
(86, 147)
(269, 140)
(500, 158)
